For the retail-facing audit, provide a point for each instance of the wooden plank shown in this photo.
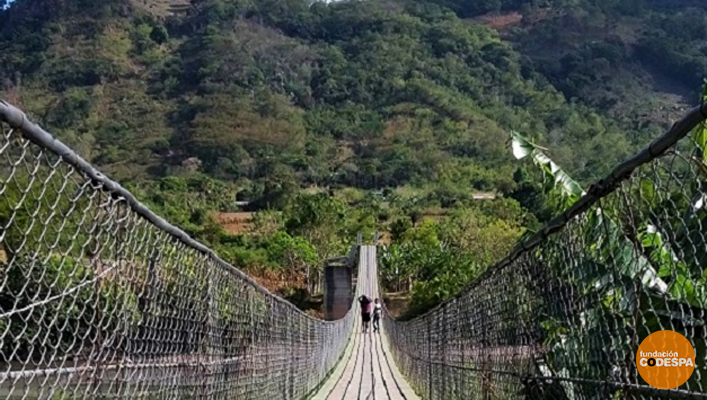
(381, 376)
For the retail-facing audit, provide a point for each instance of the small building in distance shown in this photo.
(484, 196)
(163, 8)
(179, 7)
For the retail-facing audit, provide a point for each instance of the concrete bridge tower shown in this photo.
(338, 290)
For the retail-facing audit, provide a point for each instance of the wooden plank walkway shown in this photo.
(367, 370)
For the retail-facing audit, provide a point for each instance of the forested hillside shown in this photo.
(272, 102)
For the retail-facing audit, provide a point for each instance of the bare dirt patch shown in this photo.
(396, 303)
(235, 222)
(501, 21)
(277, 281)
(292, 287)
(384, 238)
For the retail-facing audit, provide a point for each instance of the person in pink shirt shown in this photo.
(365, 302)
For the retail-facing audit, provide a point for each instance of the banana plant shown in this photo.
(607, 267)
(565, 191)
(557, 183)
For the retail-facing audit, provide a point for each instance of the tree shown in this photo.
(293, 253)
(399, 227)
(529, 194)
(159, 34)
(320, 219)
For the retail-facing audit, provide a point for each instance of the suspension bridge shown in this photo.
(102, 298)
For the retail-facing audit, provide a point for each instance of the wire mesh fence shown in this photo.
(101, 298)
(562, 317)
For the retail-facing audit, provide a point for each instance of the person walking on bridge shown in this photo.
(365, 311)
(376, 315)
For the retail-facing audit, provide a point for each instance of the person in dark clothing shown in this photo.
(376, 316)
(365, 311)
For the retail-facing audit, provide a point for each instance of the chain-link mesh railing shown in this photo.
(100, 298)
(562, 317)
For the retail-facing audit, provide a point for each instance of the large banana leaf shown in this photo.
(602, 272)
(606, 238)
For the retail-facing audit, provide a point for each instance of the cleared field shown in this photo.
(501, 21)
(234, 222)
(163, 7)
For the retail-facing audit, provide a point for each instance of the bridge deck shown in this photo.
(367, 370)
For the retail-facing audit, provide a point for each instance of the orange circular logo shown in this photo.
(665, 359)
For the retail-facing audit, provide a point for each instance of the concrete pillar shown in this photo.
(338, 291)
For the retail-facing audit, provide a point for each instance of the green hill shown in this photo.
(283, 94)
